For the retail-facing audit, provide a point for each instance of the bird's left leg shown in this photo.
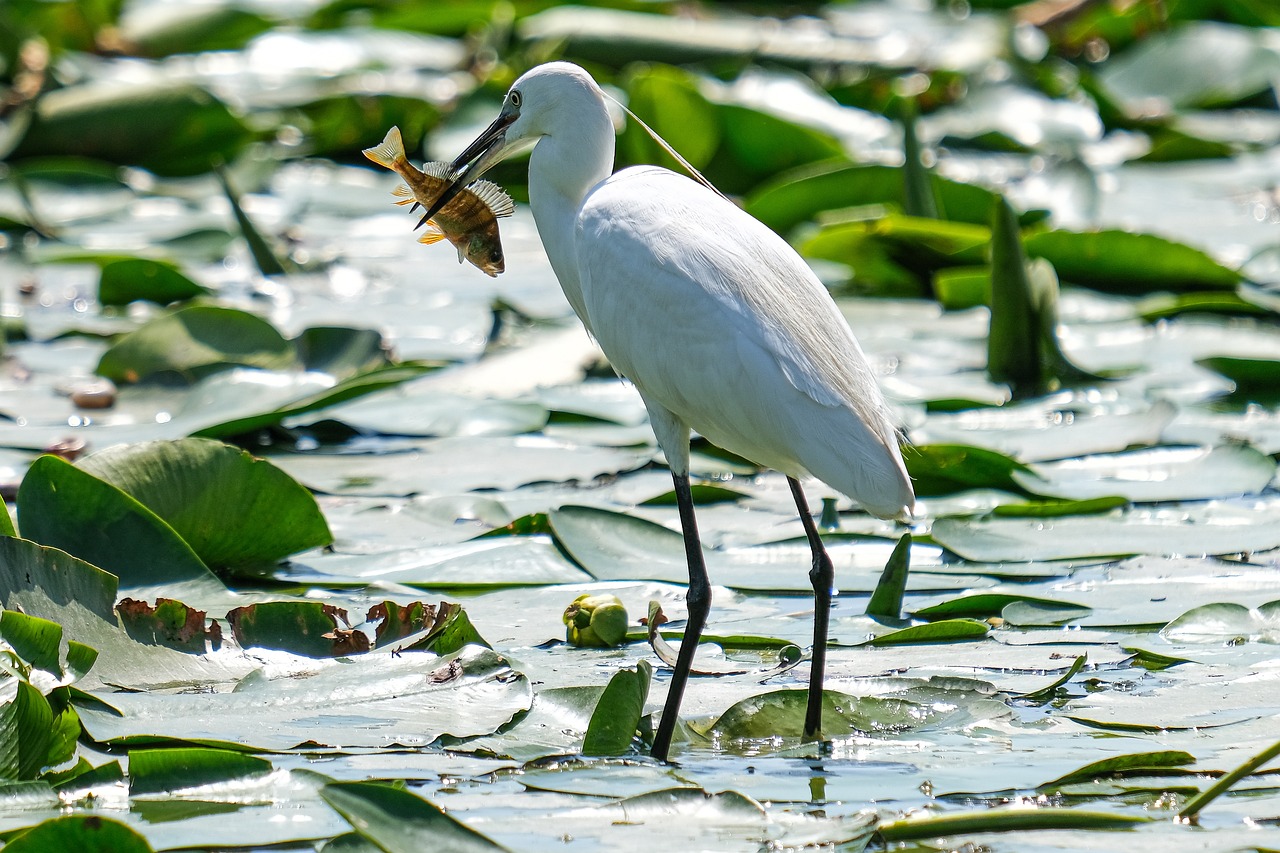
(822, 576)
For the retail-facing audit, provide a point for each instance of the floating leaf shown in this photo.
(68, 508)
(617, 715)
(943, 631)
(167, 128)
(309, 628)
(450, 631)
(161, 771)
(81, 833)
(1227, 623)
(130, 279)
(1251, 375)
(1123, 765)
(1124, 262)
(234, 510)
(401, 822)
(194, 341)
(1199, 531)
(1231, 63)
(796, 196)
(943, 469)
(169, 623)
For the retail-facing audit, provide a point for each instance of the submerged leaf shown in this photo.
(169, 623)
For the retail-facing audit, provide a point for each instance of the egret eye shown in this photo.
(515, 98)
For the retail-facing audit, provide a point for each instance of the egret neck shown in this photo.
(573, 156)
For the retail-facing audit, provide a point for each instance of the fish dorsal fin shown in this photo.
(494, 196)
(436, 169)
(389, 151)
(404, 194)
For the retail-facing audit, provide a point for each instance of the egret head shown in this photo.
(546, 97)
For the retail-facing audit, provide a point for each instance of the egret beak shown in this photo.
(488, 149)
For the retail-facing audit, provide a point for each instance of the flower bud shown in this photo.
(595, 620)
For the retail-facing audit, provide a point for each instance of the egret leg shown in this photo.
(822, 576)
(698, 600)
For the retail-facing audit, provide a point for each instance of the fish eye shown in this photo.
(495, 255)
(516, 98)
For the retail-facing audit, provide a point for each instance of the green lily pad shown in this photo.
(234, 510)
(401, 822)
(1251, 375)
(1124, 262)
(308, 628)
(131, 279)
(69, 508)
(165, 128)
(944, 469)
(1200, 530)
(1157, 474)
(160, 771)
(194, 341)
(82, 833)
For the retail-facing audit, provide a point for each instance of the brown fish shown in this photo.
(469, 221)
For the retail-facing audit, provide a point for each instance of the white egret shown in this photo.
(718, 323)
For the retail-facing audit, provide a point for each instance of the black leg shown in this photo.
(698, 600)
(822, 576)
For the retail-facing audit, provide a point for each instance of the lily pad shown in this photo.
(1198, 531)
(401, 822)
(234, 510)
(82, 833)
(194, 341)
(131, 279)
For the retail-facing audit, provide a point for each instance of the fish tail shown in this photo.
(390, 152)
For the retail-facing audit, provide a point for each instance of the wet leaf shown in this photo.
(195, 341)
(169, 623)
(68, 508)
(781, 714)
(131, 279)
(82, 833)
(164, 128)
(400, 822)
(1123, 765)
(943, 631)
(234, 510)
(799, 195)
(1125, 262)
(1231, 63)
(1227, 623)
(1207, 530)
(161, 771)
(308, 628)
(943, 469)
(450, 631)
(37, 641)
(617, 715)
(1251, 375)
(886, 601)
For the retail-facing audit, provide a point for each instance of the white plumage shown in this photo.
(720, 325)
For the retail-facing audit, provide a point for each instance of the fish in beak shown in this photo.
(489, 147)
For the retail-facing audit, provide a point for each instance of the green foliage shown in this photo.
(234, 510)
(129, 279)
(400, 822)
(160, 771)
(82, 833)
(616, 717)
(170, 130)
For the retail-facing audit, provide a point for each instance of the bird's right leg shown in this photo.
(698, 601)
